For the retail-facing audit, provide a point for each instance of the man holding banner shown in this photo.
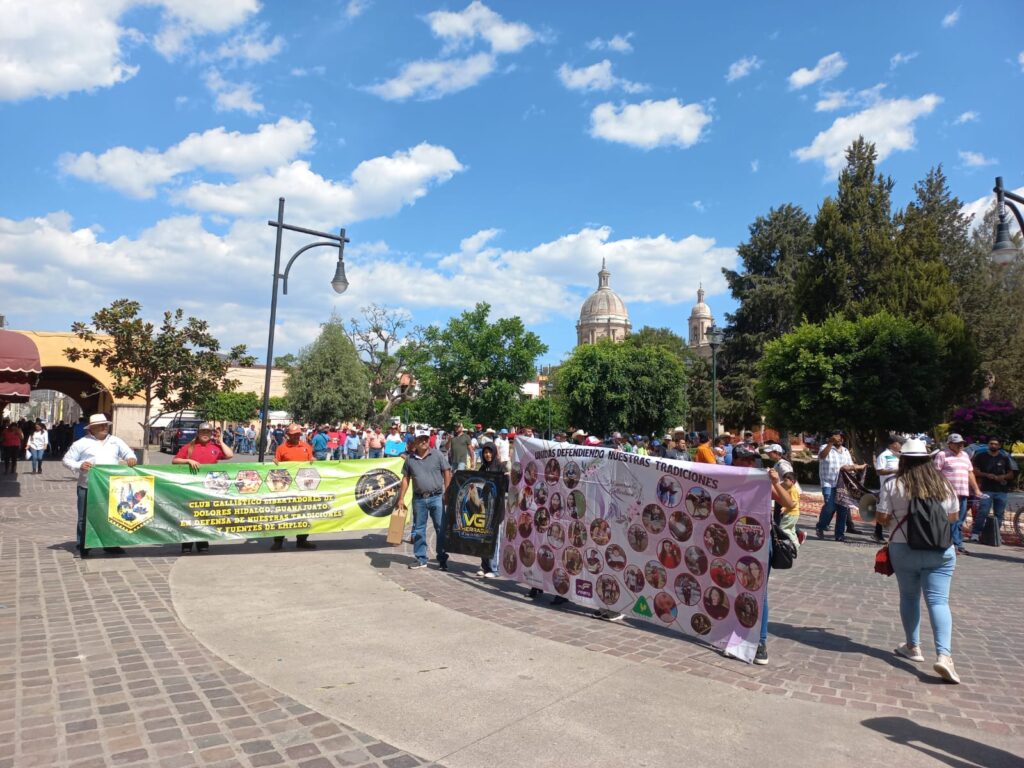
(430, 473)
(293, 449)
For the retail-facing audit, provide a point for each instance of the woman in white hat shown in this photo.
(921, 571)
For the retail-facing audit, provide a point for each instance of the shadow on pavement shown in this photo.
(955, 751)
(11, 488)
(249, 547)
(976, 555)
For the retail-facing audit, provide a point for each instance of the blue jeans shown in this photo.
(37, 461)
(927, 571)
(320, 455)
(764, 609)
(996, 503)
(958, 525)
(830, 508)
(376, 453)
(432, 506)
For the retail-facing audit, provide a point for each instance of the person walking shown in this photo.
(833, 457)
(926, 572)
(429, 472)
(321, 444)
(887, 463)
(955, 465)
(293, 449)
(12, 447)
(37, 444)
(96, 448)
(207, 447)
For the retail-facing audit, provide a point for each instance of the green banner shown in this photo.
(165, 504)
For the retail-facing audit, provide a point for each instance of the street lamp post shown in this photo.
(547, 396)
(1003, 250)
(715, 336)
(339, 284)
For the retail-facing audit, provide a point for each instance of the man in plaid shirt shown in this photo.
(833, 457)
(955, 465)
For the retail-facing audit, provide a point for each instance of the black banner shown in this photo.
(474, 509)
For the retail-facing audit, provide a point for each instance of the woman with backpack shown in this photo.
(917, 508)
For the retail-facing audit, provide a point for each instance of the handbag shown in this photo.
(396, 526)
(28, 454)
(883, 563)
(784, 551)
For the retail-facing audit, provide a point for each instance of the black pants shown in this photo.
(300, 538)
(11, 454)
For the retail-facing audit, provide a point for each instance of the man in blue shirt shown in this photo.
(319, 443)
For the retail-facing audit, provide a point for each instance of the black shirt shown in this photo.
(993, 465)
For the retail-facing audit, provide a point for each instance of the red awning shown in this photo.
(14, 392)
(19, 358)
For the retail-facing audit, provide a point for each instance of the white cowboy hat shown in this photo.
(97, 419)
(916, 447)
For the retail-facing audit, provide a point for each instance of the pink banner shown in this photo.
(675, 543)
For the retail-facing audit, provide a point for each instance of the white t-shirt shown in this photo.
(501, 446)
(887, 460)
(896, 502)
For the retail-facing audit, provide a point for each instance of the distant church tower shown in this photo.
(603, 314)
(700, 321)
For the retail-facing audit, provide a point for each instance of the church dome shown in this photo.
(700, 309)
(603, 314)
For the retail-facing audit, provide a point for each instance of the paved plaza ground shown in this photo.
(343, 657)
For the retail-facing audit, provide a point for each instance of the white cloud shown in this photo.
(755, 166)
(827, 68)
(901, 58)
(596, 77)
(380, 186)
(232, 96)
(833, 100)
(479, 21)
(951, 18)
(978, 208)
(434, 78)
(250, 47)
(185, 19)
(889, 124)
(650, 124)
(355, 8)
(975, 159)
(138, 173)
(698, 205)
(618, 43)
(303, 71)
(1020, 59)
(742, 68)
(966, 117)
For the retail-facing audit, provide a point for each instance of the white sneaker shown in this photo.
(480, 574)
(490, 575)
(912, 652)
(945, 669)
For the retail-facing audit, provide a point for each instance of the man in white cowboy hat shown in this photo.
(97, 447)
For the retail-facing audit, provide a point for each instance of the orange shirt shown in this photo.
(300, 452)
(705, 455)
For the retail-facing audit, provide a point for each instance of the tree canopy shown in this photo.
(389, 347)
(328, 382)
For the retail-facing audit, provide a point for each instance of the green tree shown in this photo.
(285, 362)
(179, 363)
(533, 412)
(764, 289)
(869, 376)
(278, 403)
(329, 381)
(475, 367)
(389, 347)
(609, 386)
(696, 404)
(230, 406)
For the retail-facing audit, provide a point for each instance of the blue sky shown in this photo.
(474, 151)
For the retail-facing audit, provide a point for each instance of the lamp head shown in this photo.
(340, 282)
(715, 336)
(1004, 250)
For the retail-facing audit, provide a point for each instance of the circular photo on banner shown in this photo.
(571, 475)
(555, 505)
(749, 534)
(511, 529)
(577, 533)
(746, 610)
(560, 580)
(540, 495)
(680, 525)
(541, 519)
(577, 505)
(670, 492)
(593, 560)
(512, 497)
(556, 535)
(637, 537)
(750, 573)
(687, 589)
(716, 539)
(633, 578)
(725, 509)
(653, 518)
(526, 498)
(517, 472)
(608, 589)
(665, 607)
(545, 557)
(600, 532)
(615, 557)
(572, 560)
(698, 503)
(696, 561)
(508, 558)
(527, 553)
(525, 524)
(669, 553)
(530, 473)
(377, 492)
(701, 624)
(552, 472)
(655, 574)
(716, 603)
(723, 573)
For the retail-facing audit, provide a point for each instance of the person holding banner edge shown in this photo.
(430, 473)
(207, 447)
(293, 449)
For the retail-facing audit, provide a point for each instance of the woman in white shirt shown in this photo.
(38, 442)
(920, 571)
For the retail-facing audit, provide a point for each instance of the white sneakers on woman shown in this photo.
(945, 669)
(912, 652)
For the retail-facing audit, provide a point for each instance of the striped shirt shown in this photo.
(956, 468)
(829, 466)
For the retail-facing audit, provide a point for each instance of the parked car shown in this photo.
(177, 433)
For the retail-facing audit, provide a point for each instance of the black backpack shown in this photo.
(927, 525)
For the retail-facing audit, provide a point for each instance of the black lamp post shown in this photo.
(715, 336)
(547, 396)
(1003, 250)
(339, 284)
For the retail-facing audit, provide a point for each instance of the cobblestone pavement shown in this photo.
(96, 669)
(832, 626)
